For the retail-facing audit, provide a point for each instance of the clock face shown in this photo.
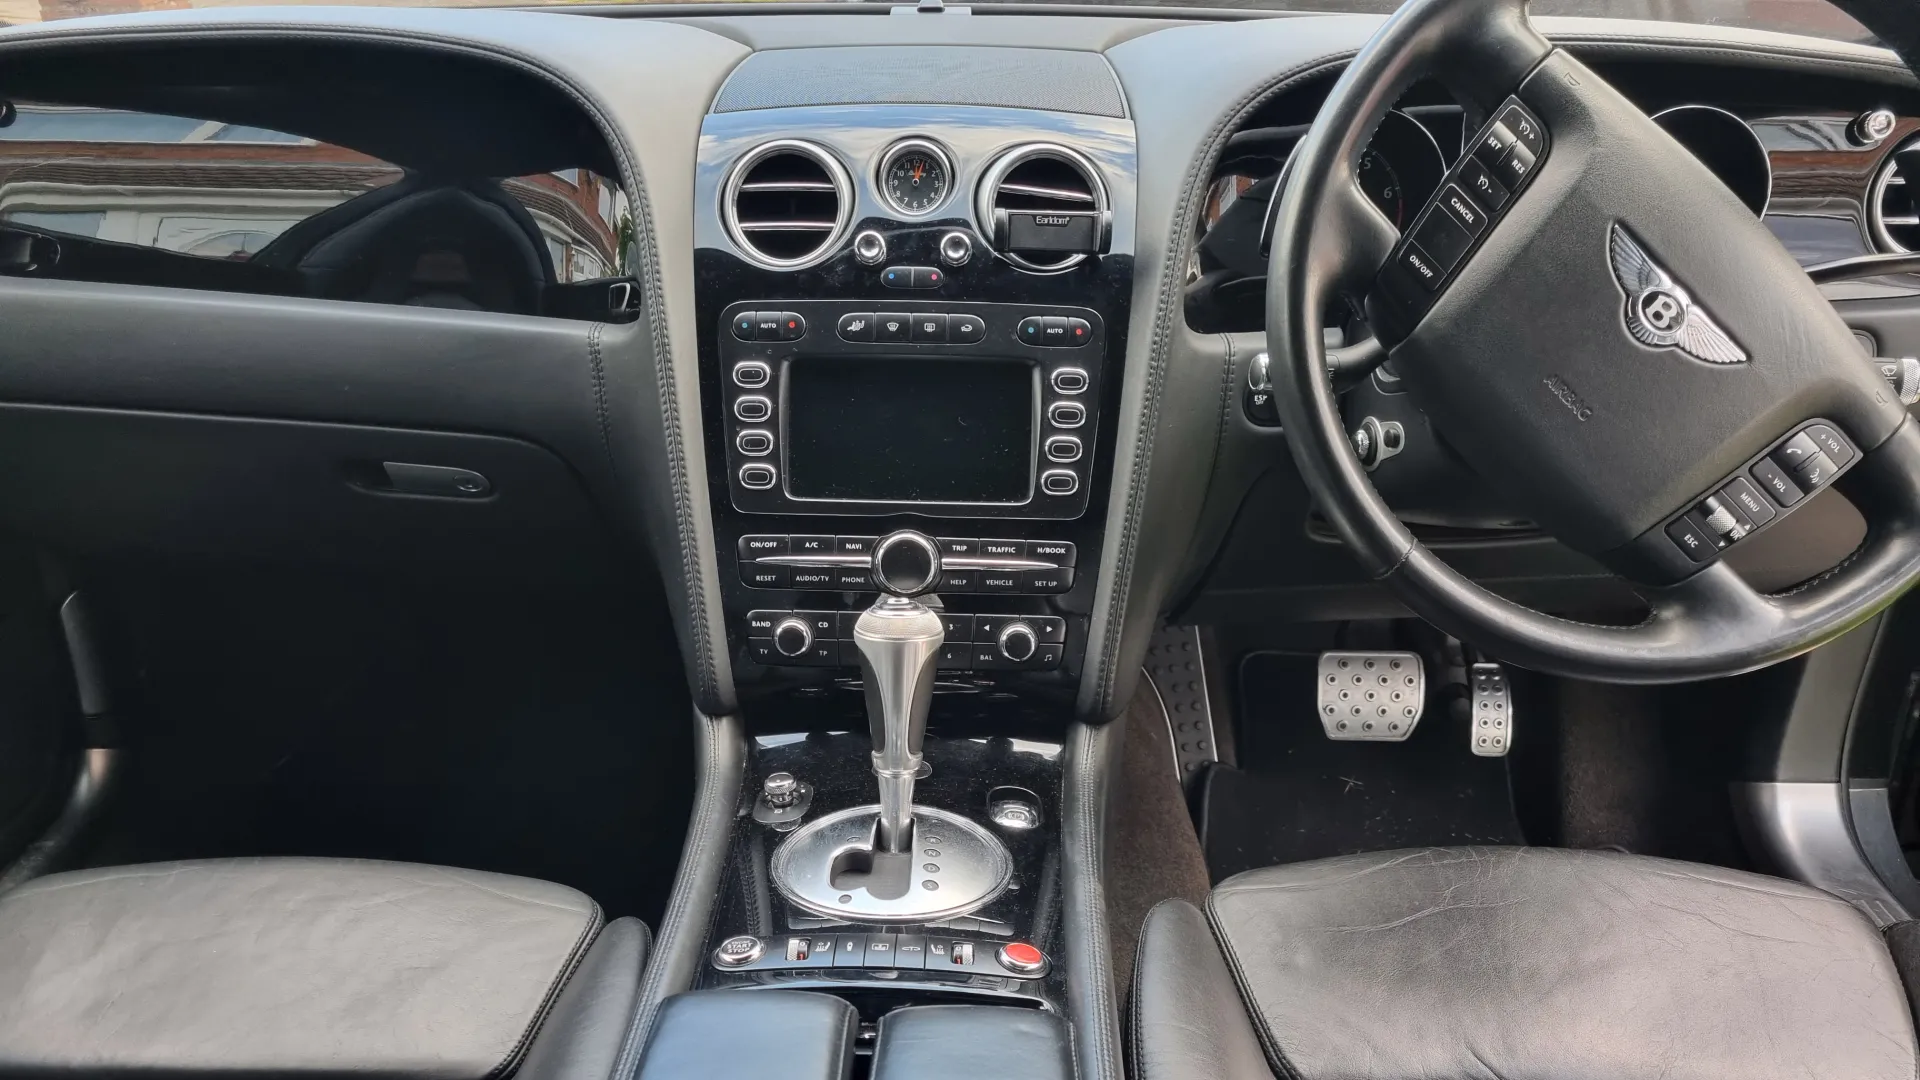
(915, 180)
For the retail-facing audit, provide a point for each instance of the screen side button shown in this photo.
(757, 476)
(1069, 380)
(1059, 482)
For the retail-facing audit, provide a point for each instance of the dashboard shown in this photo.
(782, 282)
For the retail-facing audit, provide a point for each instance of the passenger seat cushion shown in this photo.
(1575, 965)
(280, 966)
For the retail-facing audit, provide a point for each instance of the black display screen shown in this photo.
(888, 429)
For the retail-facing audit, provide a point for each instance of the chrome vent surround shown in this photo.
(787, 204)
(1893, 203)
(1043, 177)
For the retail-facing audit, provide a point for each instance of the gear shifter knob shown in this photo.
(899, 640)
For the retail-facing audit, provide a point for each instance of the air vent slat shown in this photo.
(788, 204)
(1061, 194)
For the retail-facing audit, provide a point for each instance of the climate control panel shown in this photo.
(974, 642)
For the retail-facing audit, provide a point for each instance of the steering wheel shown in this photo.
(1605, 332)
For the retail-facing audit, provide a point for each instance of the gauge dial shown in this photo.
(1382, 184)
(915, 177)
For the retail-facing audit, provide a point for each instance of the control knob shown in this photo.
(906, 563)
(792, 637)
(1018, 642)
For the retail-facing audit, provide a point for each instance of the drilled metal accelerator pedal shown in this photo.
(1371, 696)
(1490, 705)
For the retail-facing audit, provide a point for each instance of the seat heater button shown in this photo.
(1691, 538)
(856, 326)
(1839, 450)
(1525, 129)
(1814, 473)
(1494, 144)
(1796, 451)
(1479, 182)
(1744, 495)
(1420, 266)
(1516, 167)
(1443, 238)
(1463, 210)
(1775, 481)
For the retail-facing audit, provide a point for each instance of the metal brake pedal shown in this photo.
(1371, 696)
(1489, 710)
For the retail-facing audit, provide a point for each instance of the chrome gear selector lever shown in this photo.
(895, 862)
(899, 639)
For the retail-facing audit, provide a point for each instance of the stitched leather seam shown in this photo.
(1228, 379)
(554, 987)
(599, 372)
(1164, 313)
(700, 839)
(1094, 918)
(1269, 1042)
(633, 1011)
(645, 239)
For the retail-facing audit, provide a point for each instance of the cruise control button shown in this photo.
(1691, 538)
(929, 329)
(1830, 442)
(1420, 266)
(1443, 238)
(856, 326)
(966, 329)
(1479, 182)
(1463, 210)
(1032, 330)
(1516, 167)
(1814, 472)
(891, 326)
(1776, 482)
(1525, 129)
(1741, 493)
(1494, 144)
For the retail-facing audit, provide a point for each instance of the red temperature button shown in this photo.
(1022, 958)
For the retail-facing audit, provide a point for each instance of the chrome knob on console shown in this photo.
(956, 248)
(869, 247)
(792, 637)
(906, 563)
(1018, 642)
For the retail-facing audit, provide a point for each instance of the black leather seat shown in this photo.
(1516, 963)
(311, 968)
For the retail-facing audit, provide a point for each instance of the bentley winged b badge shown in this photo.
(1659, 311)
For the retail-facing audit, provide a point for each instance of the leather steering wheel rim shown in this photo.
(1609, 169)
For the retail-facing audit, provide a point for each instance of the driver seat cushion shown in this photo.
(310, 967)
(1517, 963)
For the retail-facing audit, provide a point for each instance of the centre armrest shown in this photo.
(967, 1042)
(751, 1035)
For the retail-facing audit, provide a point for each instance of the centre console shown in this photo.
(912, 325)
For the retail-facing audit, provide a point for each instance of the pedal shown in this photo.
(1371, 696)
(1490, 706)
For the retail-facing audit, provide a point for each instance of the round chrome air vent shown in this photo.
(1041, 178)
(787, 204)
(1893, 214)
